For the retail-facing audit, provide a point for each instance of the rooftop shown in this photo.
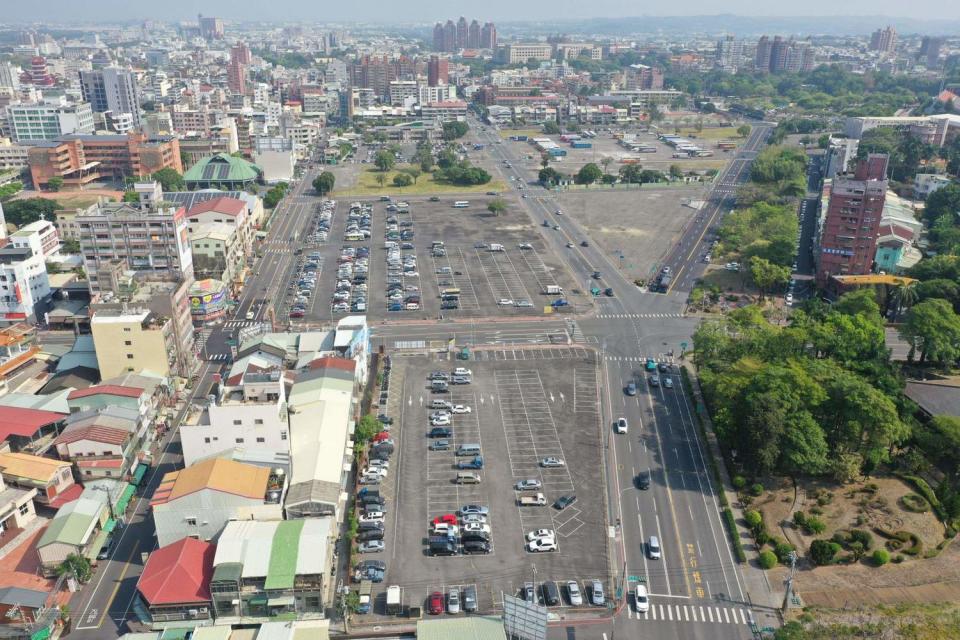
(24, 465)
(222, 168)
(178, 573)
(217, 474)
(221, 204)
(73, 523)
(25, 422)
(276, 550)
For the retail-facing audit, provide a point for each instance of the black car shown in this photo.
(440, 432)
(664, 367)
(564, 501)
(450, 304)
(643, 480)
(595, 275)
(372, 534)
(475, 536)
(476, 546)
(608, 292)
(584, 244)
(385, 419)
(370, 526)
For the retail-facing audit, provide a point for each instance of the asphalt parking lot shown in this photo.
(521, 411)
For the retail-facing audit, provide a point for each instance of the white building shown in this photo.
(445, 111)
(250, 417)
(926, 183)
(12, 156)
(275, 156)
(49, 120)
(23, 272)
(440, 93)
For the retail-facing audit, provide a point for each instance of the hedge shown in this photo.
(734, 535)
(924, 489)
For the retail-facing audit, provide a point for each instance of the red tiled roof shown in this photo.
(111, 389)
(68, 495)
(103, 463)
(178, 573)
(223, 204)
(25, 422)
(107, 435)
(330, 362)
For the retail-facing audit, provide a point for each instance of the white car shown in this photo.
(552, 461)
(372, 516)
(460, 408)
(641, 599)
(474, 518)
(541, 534)
(371, 546)
(505, 302)
(621, 425)
(462, 371)
(440, 421)
(573, 594)
(444, 529)
(530, 484)
(374, 471)
(378, 462)
(524, 303)
(543, 544)
(476, 527)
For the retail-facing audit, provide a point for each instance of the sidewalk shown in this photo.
(765, 599)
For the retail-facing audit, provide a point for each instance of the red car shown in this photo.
(447, 518)
(436, 603)
(380, 437)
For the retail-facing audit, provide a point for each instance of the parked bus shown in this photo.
(461, 204)
(450, 292)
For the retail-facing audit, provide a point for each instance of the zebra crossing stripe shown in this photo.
(686, 614)
(726, 614)
(710, 613)
(703, 618)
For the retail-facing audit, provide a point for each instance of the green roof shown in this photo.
(472, 628)
(72, 523)
(222, 168)
(227, 572)
(283, 555)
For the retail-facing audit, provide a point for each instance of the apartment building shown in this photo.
(217, 253)
(113, 90)
(49, 120)
(12, 156)
(520, 53)
(133, 340)
(23, 273)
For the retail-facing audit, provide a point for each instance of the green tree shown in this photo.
(744, 130)
(631, 173)
(169, 179)
(906, 295)
(22, 212)
(10, 189)
(413, 172)
(497, 206)
(454, 130)
(608, 178)
(77, 566)
(55, 183)
(767, 559)
(881, 557)
(822, 552)
(323, 183)
(766, 275)
(384, 160)
(70, 246)
(131, 196)
(676, 172)
(402, 180)
(605, 162)
(549, 176)
(588, 174)
(551, 128)
(933, 327)
(381, 179)
(368, 427)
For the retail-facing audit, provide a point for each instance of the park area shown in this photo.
(366, 182)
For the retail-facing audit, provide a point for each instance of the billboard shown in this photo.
(524, 620)
(208, 299)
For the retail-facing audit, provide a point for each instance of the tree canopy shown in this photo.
(169, 179)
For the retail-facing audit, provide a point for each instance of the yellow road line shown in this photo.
(119, 581)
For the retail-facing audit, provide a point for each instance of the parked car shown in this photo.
(436, 603)
(371, 546)
(573, 594)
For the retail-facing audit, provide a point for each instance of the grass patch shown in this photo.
(530, 133)
(367, 185)
(68, 200)
(712, 133)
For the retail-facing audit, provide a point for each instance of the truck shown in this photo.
(365, 588)
(394, 606)
(474, 463)
(496, 247)
(560, 302)
(553, 290)
(538, 500)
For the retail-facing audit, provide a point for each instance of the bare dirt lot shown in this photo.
(642, 226)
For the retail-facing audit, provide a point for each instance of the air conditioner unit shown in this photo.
(203, 610)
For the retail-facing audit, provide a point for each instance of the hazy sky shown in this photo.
(428, 10)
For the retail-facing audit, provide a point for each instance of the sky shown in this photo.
(431, 10)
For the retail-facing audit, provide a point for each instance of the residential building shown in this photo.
(26, 611)
(217, 253)
(134, 340)
(78, 528)
(276, 157)
(16, 508)
(438, 70)
(521, 53)
(488, 36)
(199, 121)
(148, 237)
(211, 28)
(761, 60)
(237, 76)
(222, 171)
(199, 500)
(403, 90)
(884, 40)
(250, 415)
(209, 300)
(321, 412)
(113, 90)
(445, 111)
(12, 156)
(52, 479)
(175, 583)
(29, 430)
(730, 54)
(188, 199)
(848, 237)
(102, 443)
(462, 33)
(640, 77)
(24, 283)
(262, 570)
(929, 53)
(82, 159)
(18, 347)
(926, 183)
(224, 210)
(48, 120)
(441, 93)
(473, 35)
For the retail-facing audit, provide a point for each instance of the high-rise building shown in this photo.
(49, 120)
(473, 35)
(438, 36)
(237, 76)
(848, 239)
(376, 72)
(729, 54)
(761, 60)
(9, 76)
(778, 55)
(488, 36)
(884, 40)
(437, 71)
(241, 53)
(929, 52)
(112, 89)
(462, 32)
(449, 36)
(210, 28)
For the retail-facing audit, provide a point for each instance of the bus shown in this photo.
(450, 292)
(461, 204)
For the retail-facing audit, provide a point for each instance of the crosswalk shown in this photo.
(240, 324)
(692, 613)
(607, 356)
(217, 357)
(638, 316)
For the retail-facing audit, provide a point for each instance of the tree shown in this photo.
(323, 183)
(933, 327)
(77, 566)
(605, 162)
(609, 178)
(767, 559)
(169, 179)
(631, 173)
(551, 128)
(454, 130)
(384, 160)
(544, 160)
(22, 212)
(881, 557)
(381, 179)
(549, 176)
(676, 171)
(588, 174)
(822, 552)
(55, 183)
(70, 246)
(402, 180)
(413, 172)
(767, 275)
(654, 114)
(906, 295)
(10, 189)
(497, 206)
(368, 427)
(131, 196)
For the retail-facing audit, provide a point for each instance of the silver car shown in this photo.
(573, 594)
(453, 601)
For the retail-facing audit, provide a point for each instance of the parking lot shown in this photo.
(520, 412)
(405, 275)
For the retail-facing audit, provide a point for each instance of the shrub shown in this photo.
(915, 503)
(816, 510)
(924, 489)
(783, 551)
(897, 559)
(861, 536)
(756, 489)
(799, 518)
(739, 482)
(857, 550)
(822, 552)
(768, 559)
(814, 526)
(881, 557)
(753, 519)
(734, 536)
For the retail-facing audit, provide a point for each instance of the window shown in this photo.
(128, 343)
(239, 441)
(126, 329)
(237, 422)
(24, 508)
(108, 473)
(261, 439)
(191, 521)
(283, 435)
(206, 440)
(88, 472)
(129, 356)
(258, 421)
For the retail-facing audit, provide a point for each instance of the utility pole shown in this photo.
(787, 594)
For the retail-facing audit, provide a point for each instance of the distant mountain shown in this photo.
(739, 25)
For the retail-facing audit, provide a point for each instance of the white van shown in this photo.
(653, 548)
(461, 204)
(468, 450)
